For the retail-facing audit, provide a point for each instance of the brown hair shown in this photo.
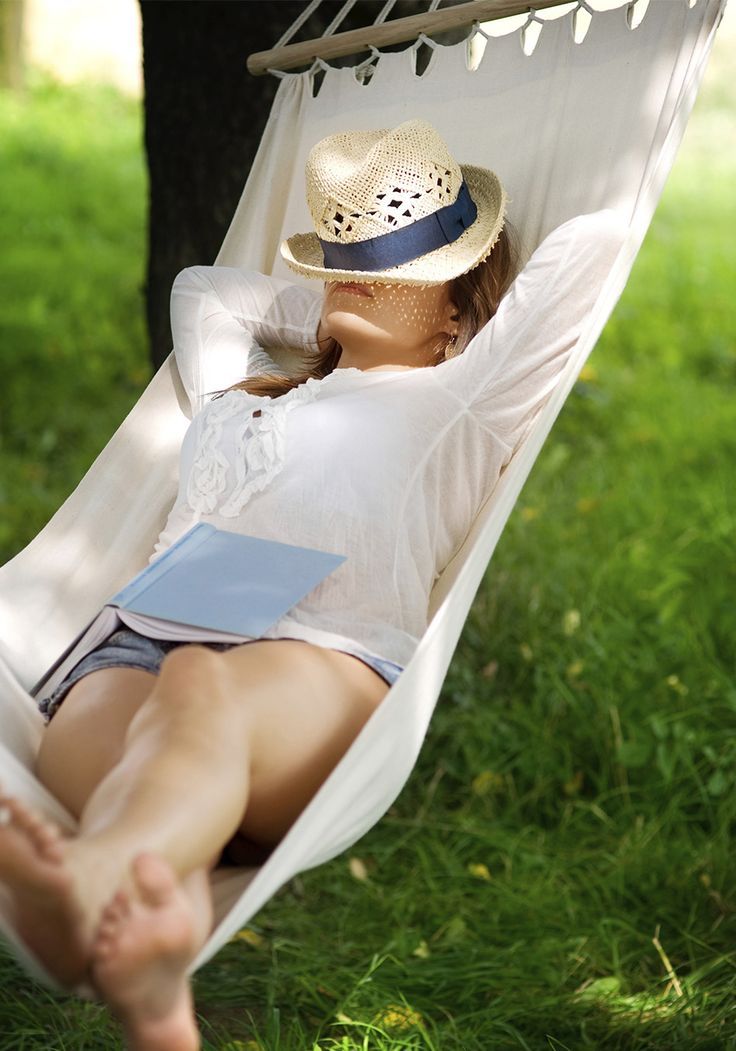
(476, 294)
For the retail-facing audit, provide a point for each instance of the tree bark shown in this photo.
(204, 116)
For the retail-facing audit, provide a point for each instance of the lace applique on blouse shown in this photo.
(259, 436)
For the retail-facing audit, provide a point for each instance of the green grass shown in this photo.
(574, 799)
(72, 226)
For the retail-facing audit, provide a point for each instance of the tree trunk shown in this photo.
(204, 116)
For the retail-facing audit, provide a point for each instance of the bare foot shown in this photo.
(46, 913)
(140, 955)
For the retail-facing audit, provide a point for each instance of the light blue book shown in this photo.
(225, 581)
(210, 585)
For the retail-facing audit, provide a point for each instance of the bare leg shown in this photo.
(79, 747)
(181, 786)
(271, 719)
(294, 729)
(168, 729)
(252, 731)
(86, 737)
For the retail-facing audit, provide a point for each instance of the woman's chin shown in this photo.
(347, 327)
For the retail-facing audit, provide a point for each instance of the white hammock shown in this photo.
(573, 128)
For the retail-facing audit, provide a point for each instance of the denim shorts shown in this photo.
(125, 648)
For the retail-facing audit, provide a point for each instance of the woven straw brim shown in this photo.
(303, 252)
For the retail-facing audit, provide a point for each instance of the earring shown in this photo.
(450, 347)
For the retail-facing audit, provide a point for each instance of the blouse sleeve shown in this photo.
(511, 366)
(223, 317)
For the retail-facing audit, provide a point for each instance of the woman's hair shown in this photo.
(476, 294)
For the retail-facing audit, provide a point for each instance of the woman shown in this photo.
(383, 450)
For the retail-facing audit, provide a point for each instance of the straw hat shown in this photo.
(394, 207)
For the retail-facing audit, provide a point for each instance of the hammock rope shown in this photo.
(297, 24)
(383, 32)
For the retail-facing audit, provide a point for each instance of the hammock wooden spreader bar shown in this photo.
(395, 32)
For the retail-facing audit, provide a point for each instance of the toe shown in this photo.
(114, 915)
(107, 927)
(50, 831)
(106, 932)
(121, 905)
(154, 879)
(103, 949)
(117, 908)
(37, 826)
(48, 841)
(40, 832)
(19, 815)
(12, 813)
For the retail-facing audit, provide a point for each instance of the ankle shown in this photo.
(176, 1031)
(96, 874)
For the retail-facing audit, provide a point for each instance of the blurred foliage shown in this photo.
(72, 226)
(566, 837)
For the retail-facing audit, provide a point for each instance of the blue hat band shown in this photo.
(434, 231)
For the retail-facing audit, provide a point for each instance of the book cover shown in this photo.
(210, 584)
(225, 581)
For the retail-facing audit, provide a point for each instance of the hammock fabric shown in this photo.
(571, 128)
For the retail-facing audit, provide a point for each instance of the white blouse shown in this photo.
(388, 468)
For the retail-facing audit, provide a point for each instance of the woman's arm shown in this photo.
(513, 363)
(222, 317)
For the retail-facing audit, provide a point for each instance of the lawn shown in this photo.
(558, 873)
